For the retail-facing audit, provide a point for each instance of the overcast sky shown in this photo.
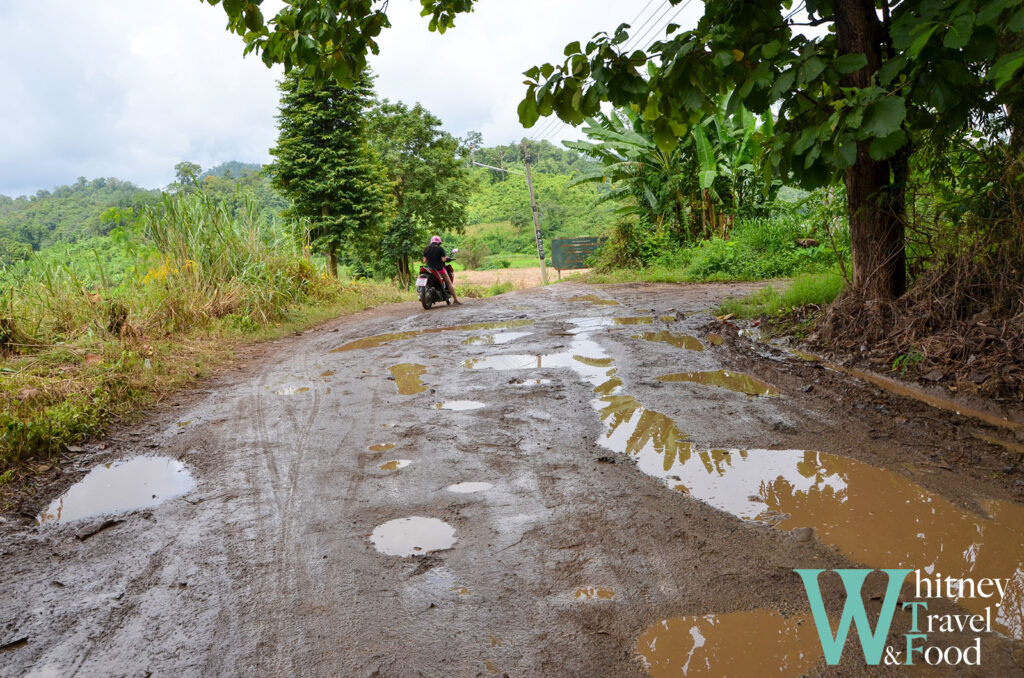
(129, 88)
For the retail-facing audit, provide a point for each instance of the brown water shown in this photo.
(407, 378)
(382, 447)
(394, 464)
(715, 339)
(639, 320)
(734, 381)
(291, 390)
(873, 516)
(594, 299)
(608, 387)
(755, 643)
(493, 339)
(381, 339)
(119, 487)
(413, 536)
(327, 373)
(594, 593)
(672, 339)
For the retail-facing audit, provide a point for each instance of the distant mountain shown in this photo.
(232, 170)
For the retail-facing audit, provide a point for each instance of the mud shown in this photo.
(583, 475)
(407, 378)
(741, 383)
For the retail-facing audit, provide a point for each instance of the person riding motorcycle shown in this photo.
(435, 257)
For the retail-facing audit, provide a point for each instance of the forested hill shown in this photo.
(65, 214)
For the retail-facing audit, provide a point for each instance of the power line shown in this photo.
(641, 39)
(645, 24)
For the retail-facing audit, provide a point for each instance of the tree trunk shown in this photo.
(875, 190)
(331, 257)
(403, 271)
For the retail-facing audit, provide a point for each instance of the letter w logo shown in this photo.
(872, 643)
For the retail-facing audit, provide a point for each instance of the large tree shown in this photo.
(325, 164)
(429, 183)
(849, 99)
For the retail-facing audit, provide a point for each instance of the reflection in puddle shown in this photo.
(734, 381)
(327, 373)
(608, 387)
(585, 357)
(639, 320)
(291, 390)
(119, 487)
(873, 516)
(594, 299)
(413, 536)
(530, 382)
(469, 488)
(673, 339)
(668, 318)
(594, 592)
(395, 464)
(804, 356)
(382, 447)
(407, 378)
(754, 643)
(500, 338)
(715, 339)
(381, 339)
(461, 405)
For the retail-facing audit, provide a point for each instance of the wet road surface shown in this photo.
(564, 481)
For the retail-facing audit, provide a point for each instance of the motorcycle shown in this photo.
(430, 286)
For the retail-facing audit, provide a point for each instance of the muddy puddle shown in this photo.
(636, 320)
(734, 381)
(715, 339)
(493, 339)
(672, 339)
(584, 356)
(529, 382)
(413, 536)
(407, 378)
(594, 299)
(469, 487)
(119, 487)
(328, 373)
(755, 643)
(291, 390)
(394, 464)
(460, 405)
(381, 339)
(594, 593)
(875, 517)
(381, 447)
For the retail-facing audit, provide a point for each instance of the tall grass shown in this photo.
(88, 335)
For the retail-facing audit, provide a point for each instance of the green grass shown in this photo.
(818, 289)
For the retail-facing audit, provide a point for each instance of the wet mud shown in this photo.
(589, 520)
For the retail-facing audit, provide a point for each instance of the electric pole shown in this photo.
(536, 217)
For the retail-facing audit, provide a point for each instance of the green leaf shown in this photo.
(705, 157)
(921, 40)
(959, 33)
(883, 117)
(1006, 68)
(528, 113)
(770, 49)
(572, 48)
(849, 63)
(885, 147)
(811, 69)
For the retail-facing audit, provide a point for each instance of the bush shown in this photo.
(473, 252)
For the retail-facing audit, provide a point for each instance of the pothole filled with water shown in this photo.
(754, 643)
(413, 536)
(492, 339)
(672, 339)
(381, 339)
(291, 390)
(594, 593)
(395, 464)
(120, 487)
(381, 447)
(407, 378)
(734, 381)
(637, 320)
(469, 487)
(461, 405)
(594, 299)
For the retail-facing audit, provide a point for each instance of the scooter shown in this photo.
(430, 286)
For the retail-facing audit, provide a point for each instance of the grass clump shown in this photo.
(808, 290)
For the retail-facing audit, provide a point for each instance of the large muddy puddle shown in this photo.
(594, 299)
(414, 536)
(734, 381)
(672, 339)
(407, 378)
(493, 339)
(584, 357)
(381, 339)
(875, 517)
(120, 487)
(755, 643)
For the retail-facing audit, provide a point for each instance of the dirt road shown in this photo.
(603, 482)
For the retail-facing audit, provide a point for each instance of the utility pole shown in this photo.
(536, 217)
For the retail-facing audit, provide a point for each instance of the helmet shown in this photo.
(436, 239)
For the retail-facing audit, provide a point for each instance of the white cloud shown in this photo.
(126, 88)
